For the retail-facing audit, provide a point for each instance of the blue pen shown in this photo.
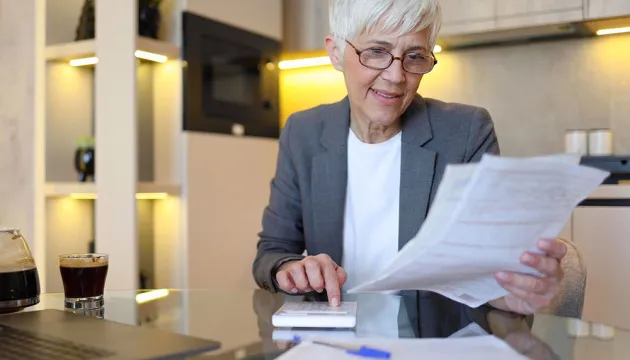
(363, 351)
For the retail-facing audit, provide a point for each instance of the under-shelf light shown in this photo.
(301, 63)
(151, 196)
(84, 61)
(139, 196)
(150, 56)
(151, 295)
(145, 55)
(83, 196)
(619, 30)
(319, 61)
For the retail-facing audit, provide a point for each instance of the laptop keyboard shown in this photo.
(19, 344)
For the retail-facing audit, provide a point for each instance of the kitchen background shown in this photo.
(199, 196)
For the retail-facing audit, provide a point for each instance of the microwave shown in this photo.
(230, 79)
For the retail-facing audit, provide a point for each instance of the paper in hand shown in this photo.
(484, 216)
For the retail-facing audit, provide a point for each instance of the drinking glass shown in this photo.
(19, 280)
(83, 277)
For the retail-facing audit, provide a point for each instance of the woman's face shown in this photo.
(381, 96)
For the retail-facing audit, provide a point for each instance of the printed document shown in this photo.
(483, 217)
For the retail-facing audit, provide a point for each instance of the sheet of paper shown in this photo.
(483, 217)
(473, 329)
(469, 348)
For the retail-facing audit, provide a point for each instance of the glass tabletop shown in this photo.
(241, 321)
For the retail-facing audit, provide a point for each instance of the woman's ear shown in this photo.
(334, 52)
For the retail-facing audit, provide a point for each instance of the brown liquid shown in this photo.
(81, 282)
(19, 285)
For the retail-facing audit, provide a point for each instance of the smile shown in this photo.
(386, 97)
(386, 94)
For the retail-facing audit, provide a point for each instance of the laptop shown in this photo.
(57, 334)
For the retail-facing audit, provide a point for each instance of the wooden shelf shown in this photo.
(69, 51)
(87, 48)
(63, 189)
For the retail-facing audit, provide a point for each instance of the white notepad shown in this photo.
(316, 315)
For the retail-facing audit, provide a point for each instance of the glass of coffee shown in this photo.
(19, 281)
(83, 277)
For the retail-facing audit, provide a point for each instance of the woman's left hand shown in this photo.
(529, 294)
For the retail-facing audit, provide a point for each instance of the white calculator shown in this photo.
(316, 315)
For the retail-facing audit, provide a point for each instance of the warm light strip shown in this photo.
(139, 196)
(301, 63)
(319, 61)
(151, 196)
(84, 61)
(613, 31)
(150, 56)
(83, 196)
(139, 54)
(151, 295)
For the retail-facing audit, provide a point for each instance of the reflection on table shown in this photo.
(241, 321)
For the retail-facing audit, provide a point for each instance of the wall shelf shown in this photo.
(87, 48)
(64, 189)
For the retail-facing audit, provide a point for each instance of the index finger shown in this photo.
(553, 247)
(332, 283)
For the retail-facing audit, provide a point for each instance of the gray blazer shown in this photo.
(308, 192)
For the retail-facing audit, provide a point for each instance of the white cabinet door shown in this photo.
(533, 7)
(608, 8)
(527, 13)
(465, 16)
(603, 236)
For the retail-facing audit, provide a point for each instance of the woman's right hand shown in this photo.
(313, 273)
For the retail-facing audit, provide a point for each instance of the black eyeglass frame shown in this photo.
(359, 52)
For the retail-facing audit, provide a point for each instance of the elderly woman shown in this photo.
(354, 179)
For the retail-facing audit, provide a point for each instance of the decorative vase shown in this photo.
(84, 159)
(149, 18)
(86, 28)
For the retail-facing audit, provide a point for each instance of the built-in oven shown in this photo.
(230, 79)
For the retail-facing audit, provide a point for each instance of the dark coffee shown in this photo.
(83, 279)
(19, 284)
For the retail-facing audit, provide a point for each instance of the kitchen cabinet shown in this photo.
(306, 24)
(602, 235)
(598, 9)
(526, 13)
(466, 17)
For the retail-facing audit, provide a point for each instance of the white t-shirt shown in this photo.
(370, 239)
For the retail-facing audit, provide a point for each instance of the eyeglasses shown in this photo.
(379, 59)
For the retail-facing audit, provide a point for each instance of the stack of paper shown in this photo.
(469, 348)
(484, 216)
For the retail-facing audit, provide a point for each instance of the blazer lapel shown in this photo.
(416, 170)
(329, 181)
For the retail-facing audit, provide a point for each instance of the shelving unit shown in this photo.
(88, 190)
(94, 88)
(81, 49)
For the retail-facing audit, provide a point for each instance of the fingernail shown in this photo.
(545, 244)
(528, 258)
(294, 290)
(503, 275)
(334, 302)
(319, 290)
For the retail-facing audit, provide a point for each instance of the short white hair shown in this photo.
(349, 18)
